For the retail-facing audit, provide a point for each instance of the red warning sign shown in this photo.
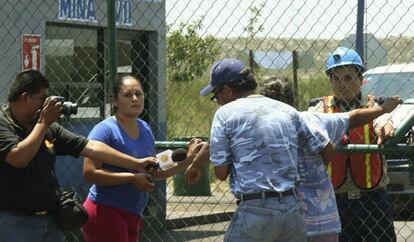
(30, 52)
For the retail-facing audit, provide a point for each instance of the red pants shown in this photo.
(108, 224)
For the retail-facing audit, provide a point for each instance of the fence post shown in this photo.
(251, 60)
(112, 57)
(360, 28)
(295, 66)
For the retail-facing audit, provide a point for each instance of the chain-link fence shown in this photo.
(170, 46)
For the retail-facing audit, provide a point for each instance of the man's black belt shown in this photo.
(264, 195)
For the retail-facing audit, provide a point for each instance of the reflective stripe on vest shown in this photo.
(366, 169)
(367, 157)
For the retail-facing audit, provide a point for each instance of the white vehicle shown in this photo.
(397, 79)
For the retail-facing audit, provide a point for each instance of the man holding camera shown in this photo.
(30, 140)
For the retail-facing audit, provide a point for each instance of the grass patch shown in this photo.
(188, 114)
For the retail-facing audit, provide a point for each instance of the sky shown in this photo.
(295, 18)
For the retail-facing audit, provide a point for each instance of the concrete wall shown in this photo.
(31, 17)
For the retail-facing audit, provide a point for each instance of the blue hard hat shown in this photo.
(344, 56)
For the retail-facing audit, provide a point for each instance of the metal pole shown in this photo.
(111, 32)
(295, 66)
(395, 149)
(350, 148)
(360, 28)
(251, 60)
(171, 144)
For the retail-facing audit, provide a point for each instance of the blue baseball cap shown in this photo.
(222, 73)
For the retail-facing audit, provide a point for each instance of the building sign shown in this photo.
(123, 12)
(30, 52)
(85, 11)
(79, 10)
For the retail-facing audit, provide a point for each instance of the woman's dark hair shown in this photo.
(278, 88)
(247, 83)
(116, 88)
(29, 82)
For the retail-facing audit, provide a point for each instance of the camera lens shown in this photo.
(69, 108)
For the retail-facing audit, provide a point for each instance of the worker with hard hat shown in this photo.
(359, 179)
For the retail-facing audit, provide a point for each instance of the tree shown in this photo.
(188, 54)
(251, 28)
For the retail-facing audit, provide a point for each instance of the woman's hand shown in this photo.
(142, 182)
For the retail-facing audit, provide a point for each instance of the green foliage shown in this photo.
(189, 114)
(252, 29)
(188, 54)
(311, 87)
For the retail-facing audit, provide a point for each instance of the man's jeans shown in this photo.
(271, 219)
(21, 228)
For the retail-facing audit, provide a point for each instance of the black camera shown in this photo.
(68, 107)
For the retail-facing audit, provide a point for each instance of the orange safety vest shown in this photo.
(366, 168)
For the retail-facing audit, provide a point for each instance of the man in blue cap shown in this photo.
(254, 140)
(359, 179)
